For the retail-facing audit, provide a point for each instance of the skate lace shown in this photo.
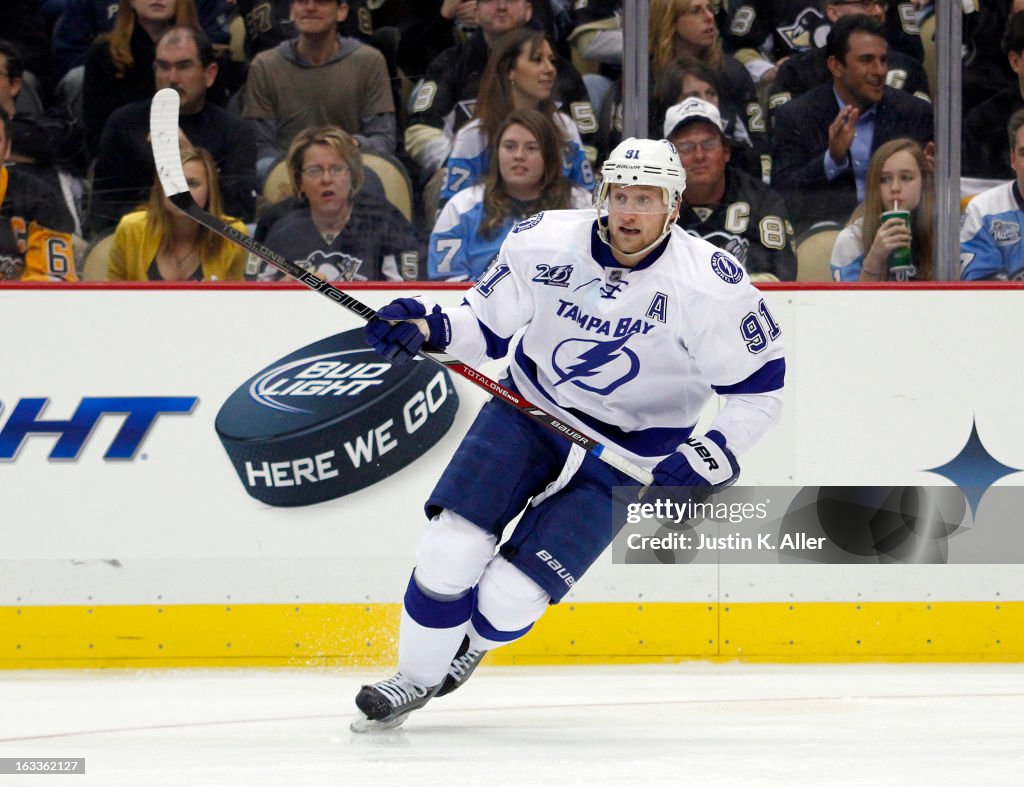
(463, 664)
(399, 690)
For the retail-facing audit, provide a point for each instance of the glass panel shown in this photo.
(804, 125)
(990, 234)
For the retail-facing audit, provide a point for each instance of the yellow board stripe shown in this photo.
(586, 633)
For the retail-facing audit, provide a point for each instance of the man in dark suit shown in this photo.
(806, 70)
(823, 140)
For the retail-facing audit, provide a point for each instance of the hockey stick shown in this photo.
(163, 129)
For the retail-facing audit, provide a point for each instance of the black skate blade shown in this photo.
(361, 724)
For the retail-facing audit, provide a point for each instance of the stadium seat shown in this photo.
(397, 186)
(237, 32)
(432, 198)
(278, 185)
(97, 259)
(814, 251)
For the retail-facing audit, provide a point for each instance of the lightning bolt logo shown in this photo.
(595, 360)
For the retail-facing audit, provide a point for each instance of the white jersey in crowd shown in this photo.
(630, 356)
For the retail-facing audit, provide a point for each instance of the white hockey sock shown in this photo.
(438, 602)
(424, 653)
(431, 631)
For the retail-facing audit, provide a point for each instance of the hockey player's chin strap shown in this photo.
(605, 235)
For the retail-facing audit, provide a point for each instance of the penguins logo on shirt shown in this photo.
(333, 266)
(605, 366)
(802, 34)
(10, 267)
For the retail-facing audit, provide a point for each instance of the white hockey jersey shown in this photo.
(627, 355)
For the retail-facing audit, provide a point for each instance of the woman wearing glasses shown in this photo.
(331, 227)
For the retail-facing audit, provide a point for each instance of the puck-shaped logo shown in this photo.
(332, 418)
(726, 268)
(527, 223)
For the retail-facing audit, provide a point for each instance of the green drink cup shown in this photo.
(901, 265)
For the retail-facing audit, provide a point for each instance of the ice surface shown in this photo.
(691, 723)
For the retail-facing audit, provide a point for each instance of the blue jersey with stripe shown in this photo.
(458, 251)
(990, 235)
(470, 158)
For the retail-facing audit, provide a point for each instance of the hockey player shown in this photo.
(622, 325)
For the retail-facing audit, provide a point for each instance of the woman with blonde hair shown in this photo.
(684, 27)
(898, 178)
(332, 226)
(119, 65)
(160, 243)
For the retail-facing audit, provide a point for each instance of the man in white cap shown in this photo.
(723, 204)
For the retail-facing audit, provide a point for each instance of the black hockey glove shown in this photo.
(399, 329)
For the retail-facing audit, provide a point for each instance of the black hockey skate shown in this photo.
(461, 668)
(387, 704)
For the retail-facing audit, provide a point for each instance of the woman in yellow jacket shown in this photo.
(160, 243)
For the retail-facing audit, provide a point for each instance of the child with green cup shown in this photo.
(890, 235)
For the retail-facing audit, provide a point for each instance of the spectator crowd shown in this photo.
(402, 140)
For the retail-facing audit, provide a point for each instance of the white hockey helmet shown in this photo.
(644, 162)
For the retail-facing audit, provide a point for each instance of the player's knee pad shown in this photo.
(452, 555)
(508, 599)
